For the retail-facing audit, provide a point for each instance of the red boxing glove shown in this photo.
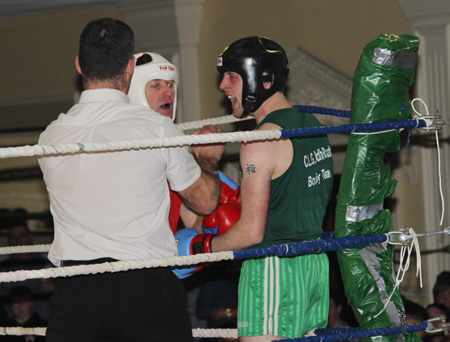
(174, 213)
(231, 193)
(225, 216)
(201, 244)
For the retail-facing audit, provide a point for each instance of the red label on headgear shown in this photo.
(166, 68)
(219, 61)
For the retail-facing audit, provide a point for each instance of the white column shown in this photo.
(172, 29)
(431, 23)
(189, 18)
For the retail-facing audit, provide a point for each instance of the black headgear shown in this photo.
(250, 57)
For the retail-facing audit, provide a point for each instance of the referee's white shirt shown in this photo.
(113, 204)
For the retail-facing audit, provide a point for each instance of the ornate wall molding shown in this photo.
(313, 82)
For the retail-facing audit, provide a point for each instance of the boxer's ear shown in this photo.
(77, 65)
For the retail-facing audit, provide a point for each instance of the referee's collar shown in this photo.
(103, 94)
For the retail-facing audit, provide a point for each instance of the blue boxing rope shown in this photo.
(312, 246)
(375, 126)
(323, 110)
(353, 333)
(229, 118)
(339, 331)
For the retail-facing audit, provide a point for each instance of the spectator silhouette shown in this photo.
(19, 234)
(441, 289)
(415, 314)
(437, 310)
(23, 315)
(336, 313)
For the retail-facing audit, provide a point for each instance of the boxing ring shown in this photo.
(361, 230)
(406, 237)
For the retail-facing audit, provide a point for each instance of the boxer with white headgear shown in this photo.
(154, 84)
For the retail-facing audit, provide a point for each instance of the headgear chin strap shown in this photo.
(251, 57)
(158, 68)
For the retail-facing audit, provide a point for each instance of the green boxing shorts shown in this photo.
(283, 296)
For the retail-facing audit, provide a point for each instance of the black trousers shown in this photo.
(139, 305)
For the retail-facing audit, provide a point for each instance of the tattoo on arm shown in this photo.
(250, 168)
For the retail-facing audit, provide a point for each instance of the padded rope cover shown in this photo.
(381, 83)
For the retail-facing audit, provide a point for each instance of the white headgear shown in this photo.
(158, 68)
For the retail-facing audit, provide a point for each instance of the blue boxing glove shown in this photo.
(190, 242)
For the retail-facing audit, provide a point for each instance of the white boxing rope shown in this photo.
(212, 121)
(224, 333)
(112, 267)
(20, 331)
(196, 332)
(24, 249)
(122, 145)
